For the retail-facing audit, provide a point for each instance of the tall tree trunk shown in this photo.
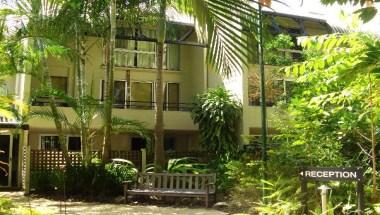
(374, 196)
(46, 80)
(109, 47)
(159, 153)
(82, 90)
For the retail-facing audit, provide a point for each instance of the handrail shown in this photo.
(125, 104)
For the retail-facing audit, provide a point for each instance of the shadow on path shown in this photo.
(47, 206)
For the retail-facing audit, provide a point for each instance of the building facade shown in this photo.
(186, 74)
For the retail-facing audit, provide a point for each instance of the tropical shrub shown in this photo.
(218, 112)
(121, 170)
(273, 55)
(181, 165)
(186, 165)
(92, 180)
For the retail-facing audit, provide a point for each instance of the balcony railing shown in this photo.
(7, 120)
(137, 105)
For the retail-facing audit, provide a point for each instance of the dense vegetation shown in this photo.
(96, 180)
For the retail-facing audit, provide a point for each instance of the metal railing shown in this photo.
(136, 105)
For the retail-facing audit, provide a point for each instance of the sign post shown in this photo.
(324, 191)
(333, 174)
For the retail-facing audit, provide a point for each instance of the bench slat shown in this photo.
(173, 184)
(159, 183)
(171, 181)
(184, 182)
(165, 181)
(203, 179)
(190, 183)
(177, 182)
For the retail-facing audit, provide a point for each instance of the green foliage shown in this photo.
(181, 165)
(218, 114)
(246, 177)
(121, 170)
(272, 50)
(329, 116)
(7, 207)
(222, 25)
(186, 165)
(332, 117)
(93, 180)
(366, 13)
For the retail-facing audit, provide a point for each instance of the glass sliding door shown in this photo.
(119, 93)
(172, 97)
(141, 95)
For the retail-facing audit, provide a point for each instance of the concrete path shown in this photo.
(47, 206)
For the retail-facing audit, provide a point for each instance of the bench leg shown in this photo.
(207, 199)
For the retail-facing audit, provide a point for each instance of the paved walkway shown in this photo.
(47, 206)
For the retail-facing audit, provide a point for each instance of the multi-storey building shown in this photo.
(186, 74)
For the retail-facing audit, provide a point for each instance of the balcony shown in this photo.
(176, 116)
(135, 105)
(6, 120)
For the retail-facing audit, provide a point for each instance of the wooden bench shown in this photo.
(172, 184)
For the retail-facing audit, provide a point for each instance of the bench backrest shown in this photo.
(177, 181)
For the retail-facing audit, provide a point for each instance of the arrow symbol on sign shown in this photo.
(301, 173)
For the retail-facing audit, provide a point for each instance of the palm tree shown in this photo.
(37, 31)
(109, 47)
(87, 110)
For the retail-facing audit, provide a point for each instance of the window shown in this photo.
(59, 83)
(141, 95)
(50, 142)
(74, 143)
(169, 143)
(119, 92)
(137, 143)
(142, 54)
(171, 96)
(275, 90)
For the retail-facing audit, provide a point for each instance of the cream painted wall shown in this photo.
(190, 77)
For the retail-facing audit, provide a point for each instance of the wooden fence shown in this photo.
(48, 160)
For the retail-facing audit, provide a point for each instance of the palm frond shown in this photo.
(46, 113)
(130, 126)
(227, 26)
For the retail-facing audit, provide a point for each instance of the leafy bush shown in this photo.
(186, 165)
(121, 170)
(182, 165)
(272, 54)
(218, 114)
(93, 180)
